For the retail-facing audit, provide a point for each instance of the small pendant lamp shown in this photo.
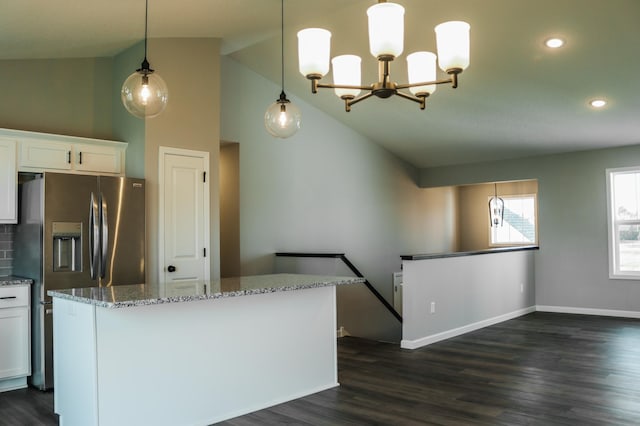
(496, 208)
(282, 118)
(144, 93)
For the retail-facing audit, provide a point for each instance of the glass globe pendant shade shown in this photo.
(282, 118)
(144, 93)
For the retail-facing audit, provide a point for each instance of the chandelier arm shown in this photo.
(348, 102)
(419, 99)
(342, 86)
(426, 83)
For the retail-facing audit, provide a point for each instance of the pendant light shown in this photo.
(282, 118)
(496, 208)
(144, 93)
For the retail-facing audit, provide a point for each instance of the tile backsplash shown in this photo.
(6, 249)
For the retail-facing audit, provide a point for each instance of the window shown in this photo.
(623, 196)
(519, 225)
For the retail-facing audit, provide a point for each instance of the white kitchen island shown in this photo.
(128, 355)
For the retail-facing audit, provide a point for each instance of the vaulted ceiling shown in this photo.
(517, 98)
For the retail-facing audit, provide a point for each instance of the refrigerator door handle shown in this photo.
(94, 237)
(104, 225)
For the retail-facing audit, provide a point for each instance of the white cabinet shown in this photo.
(45, 155)
(98, 158)
(15, 338)
(104, 157)
(8, 182)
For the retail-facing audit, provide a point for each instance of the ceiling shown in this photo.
(517, 98)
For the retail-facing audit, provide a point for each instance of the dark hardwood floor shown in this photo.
(539, 369)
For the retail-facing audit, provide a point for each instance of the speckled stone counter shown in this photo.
(13, 280)
(143, 295)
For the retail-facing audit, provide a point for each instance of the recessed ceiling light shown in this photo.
(554, 42)
(598, 103)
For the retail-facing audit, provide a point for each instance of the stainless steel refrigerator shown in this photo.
(75, 231)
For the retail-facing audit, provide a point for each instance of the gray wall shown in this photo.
(467, 293)
(229, 210)
(190, 121)
(571, 267)
(62, 96)
(326, 188)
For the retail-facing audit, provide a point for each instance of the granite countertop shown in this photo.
(13, 280)
(142, 295)
(467, 253)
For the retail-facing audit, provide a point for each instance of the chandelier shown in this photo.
(386, 39)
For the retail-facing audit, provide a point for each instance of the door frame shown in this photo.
(162, 153)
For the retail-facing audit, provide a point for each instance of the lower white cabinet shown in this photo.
(15, 337)
(8, 182)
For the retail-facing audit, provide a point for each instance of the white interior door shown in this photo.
(184, 219)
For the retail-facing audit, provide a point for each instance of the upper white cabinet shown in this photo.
(104, 157)
(8, 181)
(98, 158)
(45, 155)
(40, 152)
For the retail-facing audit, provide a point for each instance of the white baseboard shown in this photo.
(428, 340)
(588, 311)
(13, 384)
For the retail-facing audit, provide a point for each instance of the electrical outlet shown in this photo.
(433, 307)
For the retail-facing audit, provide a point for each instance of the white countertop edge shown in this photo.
(191, 298)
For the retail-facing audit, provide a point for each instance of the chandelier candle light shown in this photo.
(386, 38)
(144, 93)
(282, 118)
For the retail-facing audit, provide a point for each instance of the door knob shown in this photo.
(171, 268)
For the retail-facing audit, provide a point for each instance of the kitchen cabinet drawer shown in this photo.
(14, 296)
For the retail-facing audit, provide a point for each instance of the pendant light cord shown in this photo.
(146, 18)
(282, 41)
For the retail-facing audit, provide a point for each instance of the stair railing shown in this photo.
(353, 269)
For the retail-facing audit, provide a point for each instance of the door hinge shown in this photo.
(204, 177)
(204, 252)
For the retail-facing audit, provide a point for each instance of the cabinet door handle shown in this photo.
(68, 157)
(8, 297)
